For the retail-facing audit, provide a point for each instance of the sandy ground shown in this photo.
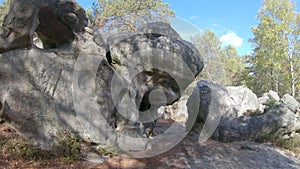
(188, 154)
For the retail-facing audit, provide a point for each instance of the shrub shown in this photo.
(252, 113)
(70, 147)
(292, 145)
(271, 102)
(22, 149)
(106, 151)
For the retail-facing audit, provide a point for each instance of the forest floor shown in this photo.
(188, 154)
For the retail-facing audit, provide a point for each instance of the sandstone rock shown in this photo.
(280, 122)
(178, 111)
(75, 89)
(55, 22)
(244, 99)
(160, 29)
(291, 102)
(216, 108)
(44, 94)
(35, 88)
(156, 66)
(266, 97)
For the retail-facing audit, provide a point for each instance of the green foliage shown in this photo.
(292, 145)
(276, 53)
(4, 9)
(209, 47)
(252, 113)
(127, 15)
(70, 147)
(222, 65)
(235, 65)
(271, 102)
(106, 151)
(22, 149)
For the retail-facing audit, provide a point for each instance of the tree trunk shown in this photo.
(293, 80)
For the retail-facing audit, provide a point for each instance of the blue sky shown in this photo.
(231, 20)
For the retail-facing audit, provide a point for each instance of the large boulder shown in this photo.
(55, 22)
(178, 111)
(156, 66)
(216, 108)
(291, 102)
(45, 93)
(244, 99)
(88, 87)
(267, 100)
(282, 121)
(159, 28)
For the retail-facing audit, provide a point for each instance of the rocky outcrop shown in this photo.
(106, 91)
(267, 99)
(244, 99)
(55, 22)
(216, 108)
(291, 103)
(159, 66)
(282, 121)
(38, 98)
(224, 115)
(160, 29)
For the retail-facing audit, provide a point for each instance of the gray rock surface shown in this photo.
(160, 29)
(213, 155)
(75, 89)
(216, 108)
(291, 102)
(244, 99)
(282, 121)
(159, 66)
(56, 23)
(266, 97)
(38, 98)
(223, 115)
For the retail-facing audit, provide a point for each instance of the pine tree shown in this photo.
(210, 49)
(235, 65)
(128, 15)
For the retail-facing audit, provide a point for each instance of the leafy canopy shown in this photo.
(276, 48)
(127, 15)
(221, 64)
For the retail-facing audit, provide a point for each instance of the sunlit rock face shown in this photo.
(104, 88)
(55, 22)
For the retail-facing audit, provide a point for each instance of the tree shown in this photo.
(128, 15)
(209, 47)
(235, 65)
(276, 47)
(294, 55)
(4, 10)
(222, 65)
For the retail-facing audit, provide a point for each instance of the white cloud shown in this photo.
(231, 38)
(194, 17)
(215, 25)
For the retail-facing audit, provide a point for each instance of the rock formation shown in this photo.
(266, 98)
(216, 107)
(244, 99)
(224, 115)
(102, 87)
(282, 121)
(56, 23)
